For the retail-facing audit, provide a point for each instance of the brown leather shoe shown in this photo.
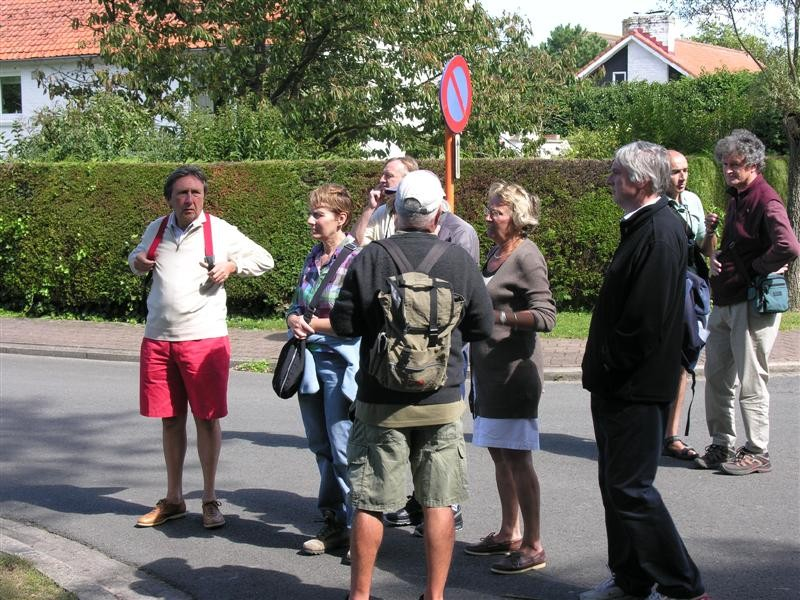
(212, 518)
(490, 545)
(164, 511)
(517, 562)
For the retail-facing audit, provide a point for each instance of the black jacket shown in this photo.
(633, 352)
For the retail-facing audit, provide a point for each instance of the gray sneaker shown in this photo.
(608, 590)
(746, 462)
(333, 535)
(714, 457)
(419, 530)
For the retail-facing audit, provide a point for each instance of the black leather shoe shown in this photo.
(410, 514)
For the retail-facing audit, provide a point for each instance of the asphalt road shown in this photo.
(78, 461)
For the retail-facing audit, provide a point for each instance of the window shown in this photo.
(10, 95)
(618, 76)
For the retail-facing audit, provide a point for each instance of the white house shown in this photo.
(37, 36)
(649, 50)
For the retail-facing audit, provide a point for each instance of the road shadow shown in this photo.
(569, 445)
(233, 582)
(267, 440)
(72, 499)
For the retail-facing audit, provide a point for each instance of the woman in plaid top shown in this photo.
(328, 386)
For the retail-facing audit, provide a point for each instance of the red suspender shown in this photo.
(209, 242)
(151, 251)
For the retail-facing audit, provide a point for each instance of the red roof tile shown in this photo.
(31, 29)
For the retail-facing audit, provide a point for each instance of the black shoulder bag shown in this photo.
(291, 362)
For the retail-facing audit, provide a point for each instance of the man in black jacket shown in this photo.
(632, 368)
(394, 428)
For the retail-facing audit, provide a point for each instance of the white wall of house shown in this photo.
(643, 65)
(34, 97)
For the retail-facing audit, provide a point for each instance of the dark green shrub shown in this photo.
(66, 229)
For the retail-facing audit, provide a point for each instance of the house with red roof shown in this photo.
(38, 36)
(649, 50)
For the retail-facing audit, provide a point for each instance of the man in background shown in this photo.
(702, 228)
(757, 240)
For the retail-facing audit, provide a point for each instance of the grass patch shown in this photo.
(790, 320)
(254, 366)
(266, 324)
(19, 580)
(572, 325)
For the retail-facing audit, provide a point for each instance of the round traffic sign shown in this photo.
(455, 94)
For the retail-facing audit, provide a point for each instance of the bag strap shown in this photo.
(431, 258)
(396, 254)
(311, 307)
(738, 261)
(401, 261)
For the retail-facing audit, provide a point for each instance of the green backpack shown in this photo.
(420, 312)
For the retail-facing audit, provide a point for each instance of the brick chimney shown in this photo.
(658, 23)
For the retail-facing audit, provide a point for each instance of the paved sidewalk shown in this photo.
(120, 341)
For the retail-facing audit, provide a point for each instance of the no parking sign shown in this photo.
(455, 94)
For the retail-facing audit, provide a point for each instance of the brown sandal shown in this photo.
(684, 453)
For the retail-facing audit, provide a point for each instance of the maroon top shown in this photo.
(758, 228)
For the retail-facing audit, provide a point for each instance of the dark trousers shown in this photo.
(644, 548)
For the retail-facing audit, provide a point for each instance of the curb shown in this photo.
(84, 571)
(550, 373)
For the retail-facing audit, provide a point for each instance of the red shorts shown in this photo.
(172, 374)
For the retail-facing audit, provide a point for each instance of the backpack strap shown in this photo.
(431, 258)
(396, 253)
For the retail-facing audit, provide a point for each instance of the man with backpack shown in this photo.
(378, 224)
(430, 300)
(702, 239)
(185, 354)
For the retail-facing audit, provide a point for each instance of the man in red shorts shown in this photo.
(185, 352)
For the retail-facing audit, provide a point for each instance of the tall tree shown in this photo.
(573, 44)
(779, 65)
(340, 73)
(723, 34)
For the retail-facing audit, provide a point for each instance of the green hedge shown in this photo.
(66, 229)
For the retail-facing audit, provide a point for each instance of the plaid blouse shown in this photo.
(312, 276)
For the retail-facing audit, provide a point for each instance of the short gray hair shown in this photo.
(415, 221)
(409, 162)
(645, 161)
(744, 143)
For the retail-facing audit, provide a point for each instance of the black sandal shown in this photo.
(685, 453)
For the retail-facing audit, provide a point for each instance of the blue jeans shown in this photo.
(327, 425)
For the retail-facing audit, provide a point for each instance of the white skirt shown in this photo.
(511, 434)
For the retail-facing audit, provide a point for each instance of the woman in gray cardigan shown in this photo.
(507, 376)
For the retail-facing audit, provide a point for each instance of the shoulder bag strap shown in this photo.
(311, 308)
(738, 261)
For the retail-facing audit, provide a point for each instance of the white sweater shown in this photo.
(182, 305)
